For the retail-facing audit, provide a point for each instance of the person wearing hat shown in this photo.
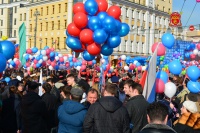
(33, 110)
(189, 119)
(71, 113)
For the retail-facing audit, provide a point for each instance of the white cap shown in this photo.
(191, 106)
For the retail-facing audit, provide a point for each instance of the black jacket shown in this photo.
(34, 114)
(137, 107)
(107, 115)
(52, 106)
(157, 128)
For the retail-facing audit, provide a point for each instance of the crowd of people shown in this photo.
(74, 102)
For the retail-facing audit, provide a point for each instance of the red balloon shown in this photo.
(79, 51)
(89, 62)
(29, 51)
(198, 46)
(79, 7)
(80, 20)
(161, 48)
(48, 51)
(160, 86)
(53, 64)
(94, 49)
(73, 30)
(86, 36)
(102, 5)
(192, 56)
(114, 11)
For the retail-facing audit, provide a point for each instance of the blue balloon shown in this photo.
(94, 23)
(138, 64)
(114, 41)
(94, 61)
(87, 56)
(46, 47)
(168, 40)
(91, 7)
(175, 67)
(106, 50)
(187, 55)
(104, 67)
(7, 48)
(124, 29)
(56, 67)
(163, 76)
(79, 63)
(13, 63)
(70, 59)
(2, 63)
(100, 36)
(118, 27)
(56, 53)
(193, 73)
(71, 64)
(7, 79)
(38, 65)
(102, 16)
(41, 56)
(73, 43)
(109, 24)
(105, 57)
(52, 58)
(193, 87)
(26, 56)
(52, 54)
(34, 50)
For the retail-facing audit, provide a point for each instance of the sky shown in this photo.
(187, 10)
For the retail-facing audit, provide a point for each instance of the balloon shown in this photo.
(170, 89)
(94, 23)
(114, 41)
(7, 48)
(123, 57)
(162, 75)
(114, 11)
(87, 56)
(45, 58)
(53, 64)
(168, 40)
(50, 67)
(73, 43)
(100, 36)
(7, 79)
(91, 7)
(198, 46)
(61, 59)
(3, 63)
(124, 29)
(43, 52)
(86, 36)
(78, 68)
(52, 54)
(192, 56)
(73, 30)
(102, 16)
(80, 20)
(193, 87)
(28, 51)
(106, 50)
(161, 49)
(118, 28)
(160, 86)
(56, 58)
(195, 51)
(175, 67)
(126, 68)
(193, 73)
(79, 7)
(102, 5)
(109, 24)
(94, 49)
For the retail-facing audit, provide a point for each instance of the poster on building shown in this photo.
(175, 19)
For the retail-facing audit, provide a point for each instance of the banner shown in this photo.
(22, 43)
(175, 19)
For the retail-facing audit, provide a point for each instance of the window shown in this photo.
(52, 43)
(1, 33)
(46, 41)
(15, 21)
(64, 42)
(30, 27)
(42, 11)
(58, 24)
(46, 26)
(58, 41)
(40, 26)
(31, 13)
(14, 33)
(30, 42)
(65, 23)
(169, 11)
(20, 18)
(65, 7)
(52, 25)
(1, 11)
(15, 9)
(59, 8)
(53, 9)
(1, 22)
(24, 16)
(47, 10)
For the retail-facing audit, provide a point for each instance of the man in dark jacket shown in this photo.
(14, 81)
(157, 114)
(33, 111)
(136, 105)
(71, 113)
(107, 115)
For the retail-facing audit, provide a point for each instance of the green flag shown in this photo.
(22, 43)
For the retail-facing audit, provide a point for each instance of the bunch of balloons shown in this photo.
(15, 63)
(193, 73)
(192, 51)
(96, 29)
(7, 51)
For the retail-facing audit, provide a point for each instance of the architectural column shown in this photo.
(147, 34)
(69, 11)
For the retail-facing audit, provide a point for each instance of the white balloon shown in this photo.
(199, 53)
(40, 61)
(115, 57)
(170, 89)
(10, 66)
(9, 60)
(65, 58)
(126, 68)
(30, 57)
(38, 52)
(24, 55)
(69, 55)
(135, 62)
(56, 58)
(60, 55)
(43, 52)
(195, 51)
(123, 57)
(144, 68)
(78, 68)
(45, 58)
(15, 59)
(50, 68)
(103, 60)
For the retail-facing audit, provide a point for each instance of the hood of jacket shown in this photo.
(110, 104)
(30, 98)
(158, 127)
(73, 107)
